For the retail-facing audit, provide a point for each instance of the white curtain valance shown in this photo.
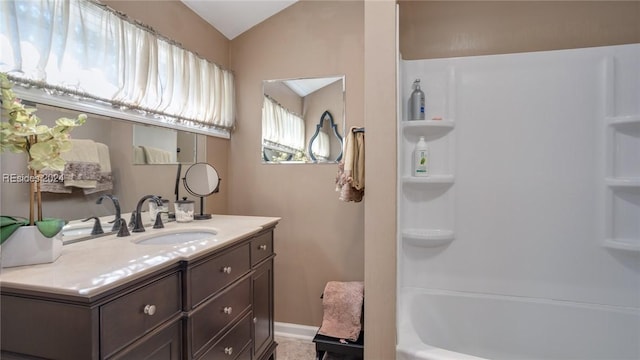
(282, 127)
(82, 48)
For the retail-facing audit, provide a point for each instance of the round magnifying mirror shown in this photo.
(201, 179)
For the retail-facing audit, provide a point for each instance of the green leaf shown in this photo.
(8, 225)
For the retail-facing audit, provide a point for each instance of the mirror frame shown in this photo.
(41, 96)
(333, 126)
(207, 166)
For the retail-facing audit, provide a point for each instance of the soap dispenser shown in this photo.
(416, 102)
(420, 159)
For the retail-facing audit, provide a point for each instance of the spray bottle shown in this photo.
(417, 102)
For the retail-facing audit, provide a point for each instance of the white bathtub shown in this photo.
(448, 325)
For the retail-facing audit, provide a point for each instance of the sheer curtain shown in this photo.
(282, 128)
(79, 47)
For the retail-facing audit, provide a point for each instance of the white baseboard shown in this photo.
(304, 332)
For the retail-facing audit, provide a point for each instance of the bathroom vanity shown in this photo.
(124, 298)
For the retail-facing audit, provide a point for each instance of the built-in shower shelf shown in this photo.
(623, 182)
(622, 244)
(624, 121)
(433, 128)
(418, 124)
(427, 237)
(432, 179)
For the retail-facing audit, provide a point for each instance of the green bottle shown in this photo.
(421, 158)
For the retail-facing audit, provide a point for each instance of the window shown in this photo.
(84, 49)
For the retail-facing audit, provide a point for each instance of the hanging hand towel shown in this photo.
(81, 170)
(104, 181)
(342, 307)
(82, 166)
(350, 179)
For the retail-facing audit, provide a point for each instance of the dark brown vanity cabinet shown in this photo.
(262, 281)
(218, 306)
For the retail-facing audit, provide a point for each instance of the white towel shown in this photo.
(138, 156)
(105, 179)
(350, 177)
(156, 156)
(82, 166)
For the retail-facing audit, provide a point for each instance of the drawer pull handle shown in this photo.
(255, 320)
(262, 247)
(228, 350)
(150, 309)
(226, 269)
(227, 310)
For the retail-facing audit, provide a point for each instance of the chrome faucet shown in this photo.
(138, 227)
(116, 204)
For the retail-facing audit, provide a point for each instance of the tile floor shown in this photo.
(298, 349)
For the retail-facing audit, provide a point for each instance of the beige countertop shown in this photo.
(88, 268)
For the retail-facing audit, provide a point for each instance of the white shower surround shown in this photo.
(533, 204)
(511, 327)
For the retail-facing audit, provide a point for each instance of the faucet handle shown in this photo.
(132, 220)
(97, 227)
(116, 224)
(124, 231)
(158, 224)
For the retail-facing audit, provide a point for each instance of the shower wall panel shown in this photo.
(535, 186)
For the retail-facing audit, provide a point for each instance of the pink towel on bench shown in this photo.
(342, 306)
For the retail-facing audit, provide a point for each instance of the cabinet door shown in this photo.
(166, 344)
(262, 308)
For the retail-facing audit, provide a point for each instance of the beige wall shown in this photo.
(319, 238)
(284, 96)
(380, 208)
(435, 29)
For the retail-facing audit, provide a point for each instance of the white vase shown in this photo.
(27, 246)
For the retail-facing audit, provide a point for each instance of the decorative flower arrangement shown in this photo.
(21, 132)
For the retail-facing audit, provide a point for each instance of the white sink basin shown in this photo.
(177, 237)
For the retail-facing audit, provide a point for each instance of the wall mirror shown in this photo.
(303, 120)
(154, 145)
(129, 182)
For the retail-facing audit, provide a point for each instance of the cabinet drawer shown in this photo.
(166, 344)
(261, 247)
(216, 314)
(235, 345)
(209, 277)
(125, 319)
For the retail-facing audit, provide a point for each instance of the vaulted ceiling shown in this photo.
(233, 17)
